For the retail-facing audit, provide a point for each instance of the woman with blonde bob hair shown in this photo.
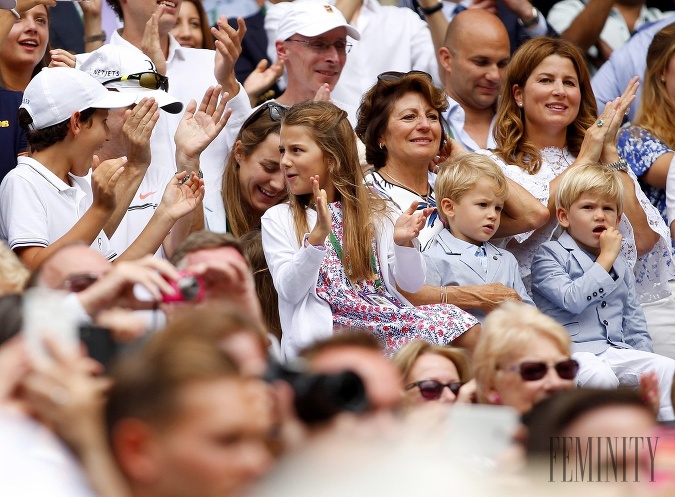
(522, 357)
(546, 125)
(648, 147)
(428, 369)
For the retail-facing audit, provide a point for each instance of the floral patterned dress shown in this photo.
(370, 305)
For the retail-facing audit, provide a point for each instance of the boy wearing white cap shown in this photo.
(46, 201)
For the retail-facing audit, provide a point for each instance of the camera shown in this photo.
(319, 397)
(187, 288)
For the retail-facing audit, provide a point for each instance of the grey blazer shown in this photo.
(598, 311)
(451, 261)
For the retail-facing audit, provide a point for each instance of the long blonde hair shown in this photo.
(656, 112)
(330, 129)
(512, 145)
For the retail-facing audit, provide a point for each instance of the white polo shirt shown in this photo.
(37, 207)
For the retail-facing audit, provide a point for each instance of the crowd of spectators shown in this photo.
(336, 247)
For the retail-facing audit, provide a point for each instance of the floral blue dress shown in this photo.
(369, 305)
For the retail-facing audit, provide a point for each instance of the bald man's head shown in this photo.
(475, 53)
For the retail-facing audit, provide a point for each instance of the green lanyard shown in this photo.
(338, 250)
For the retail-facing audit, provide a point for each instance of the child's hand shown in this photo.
(409, 224)
(610, 246)
(323, 218)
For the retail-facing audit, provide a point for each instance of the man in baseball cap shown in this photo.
(312, 41)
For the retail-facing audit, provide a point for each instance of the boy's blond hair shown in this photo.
(594, 179)
(460, 175)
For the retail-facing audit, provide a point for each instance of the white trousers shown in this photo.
(660, 316)
(615, 367)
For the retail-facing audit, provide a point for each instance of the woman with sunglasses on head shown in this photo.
(432, 372)
(337, 252)
(253, 180)
(547, 124)
(522, 357)
(401, 125)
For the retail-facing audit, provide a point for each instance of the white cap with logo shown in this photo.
(121, 68)
(312, 19)
(54, 94)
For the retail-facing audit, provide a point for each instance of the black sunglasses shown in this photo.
(396, 75)
(534, 371)
(432, 389)
(276, 113)
(79, 282)
(150, 80)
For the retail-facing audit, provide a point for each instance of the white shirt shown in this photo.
(392, 39)
(455, 117)
(37, 207)
(614, 33)
(33, 461)
(190, 72)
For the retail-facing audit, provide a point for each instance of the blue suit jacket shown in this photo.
(451, 261)
(597, 311)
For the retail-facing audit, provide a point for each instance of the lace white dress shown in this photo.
(652, 271)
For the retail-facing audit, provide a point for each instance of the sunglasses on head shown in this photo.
(396, 75)
(432, 389)
(534, 370)
(276, 113)
(79, 282)
(150, 80)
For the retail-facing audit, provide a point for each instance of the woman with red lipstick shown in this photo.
(546, 123)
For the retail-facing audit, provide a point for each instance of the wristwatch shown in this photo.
(620, 165)
(532, 22)
(427, 11)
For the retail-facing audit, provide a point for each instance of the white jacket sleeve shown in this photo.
(294, 269)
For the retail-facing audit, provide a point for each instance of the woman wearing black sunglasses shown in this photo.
(428, 369)
(522, 357)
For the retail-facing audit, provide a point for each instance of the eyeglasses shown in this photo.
(276, 113)
(321, 46)
(533, 371)
(150, 80)
(396, 75)
(432, 389)
(79, 282)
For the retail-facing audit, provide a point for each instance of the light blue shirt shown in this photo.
(628, 61)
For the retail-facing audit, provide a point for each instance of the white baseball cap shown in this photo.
(54, 94)
(312, 19)
(7, 4)
(111, 65)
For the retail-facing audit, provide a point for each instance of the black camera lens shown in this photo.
(188, 286)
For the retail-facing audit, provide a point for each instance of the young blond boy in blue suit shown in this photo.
(583, 282)
(472, 191)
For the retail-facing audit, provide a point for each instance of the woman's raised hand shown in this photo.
(409, 224)
(621, 105)
(323, 217)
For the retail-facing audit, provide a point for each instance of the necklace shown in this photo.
(398, 183)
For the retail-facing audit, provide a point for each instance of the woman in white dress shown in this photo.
(546, 124)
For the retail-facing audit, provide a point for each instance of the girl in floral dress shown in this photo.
(337, 252)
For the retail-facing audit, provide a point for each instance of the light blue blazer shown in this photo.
(451, 261)
(597, 311)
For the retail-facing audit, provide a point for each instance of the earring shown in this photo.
(381, 146)
(495, 399)
(663, 79)
(520, 104)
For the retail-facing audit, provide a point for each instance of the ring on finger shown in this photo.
(600, 123)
